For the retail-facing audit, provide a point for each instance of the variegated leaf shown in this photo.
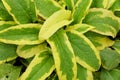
(81, 8)
(22, 11)
(104, 21)
(82, 28)
(4, 15)
(103, 3)
(86, 53)
(47, 7)
(40, 67)
(115, 6)
(99, 41)
(69, 4)
(116, 46)
(53, 23)
(21, 34)
(6, 24)
(7, 52)
(63, 54)
(83, 73)
(110, 58)
(27, 51)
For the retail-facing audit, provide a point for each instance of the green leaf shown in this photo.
(116, 46)
(47, 7)
(110, 58)
(4, 15)
(27, 51)
(104, 21)
(22, 11)
(63, 56)
(86, 53)
(80, 11)
(6, 24)
(40, 67)
(7, 52)
(99, 41)
(56, 21)
(105, 75)
(81, 28)
(9, 72)
(21, 34)
(115, 73)
(83, 73)
(69, 4)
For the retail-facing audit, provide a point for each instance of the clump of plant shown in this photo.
(59, 39)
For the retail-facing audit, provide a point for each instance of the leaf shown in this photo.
(7, 52)
(27, 51)
(99, 41)
(81, 28)
(47, 7)
(115, 6)
(9, 72)
(86, 53)
(53, 23)
(40, 67)
(69, 4)
(105, 75)
(103, 3)
(4, 15)
(21, 34)
(22, 11)
(6, 24)
(116, 46)
(63, 56)
(115, 73)
(80, 11)
(104, 21)
(110, 58)
(83, 73)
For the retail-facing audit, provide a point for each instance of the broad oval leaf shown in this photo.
(86, 53)
(53, 23)
(110, 58)
(63, 55)
(7, 52)
(104, 21)
(40, 68)
(81, 8)
(27, 51)
(47, 7)
(83, 73)
(22, 11)
(21, 34)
